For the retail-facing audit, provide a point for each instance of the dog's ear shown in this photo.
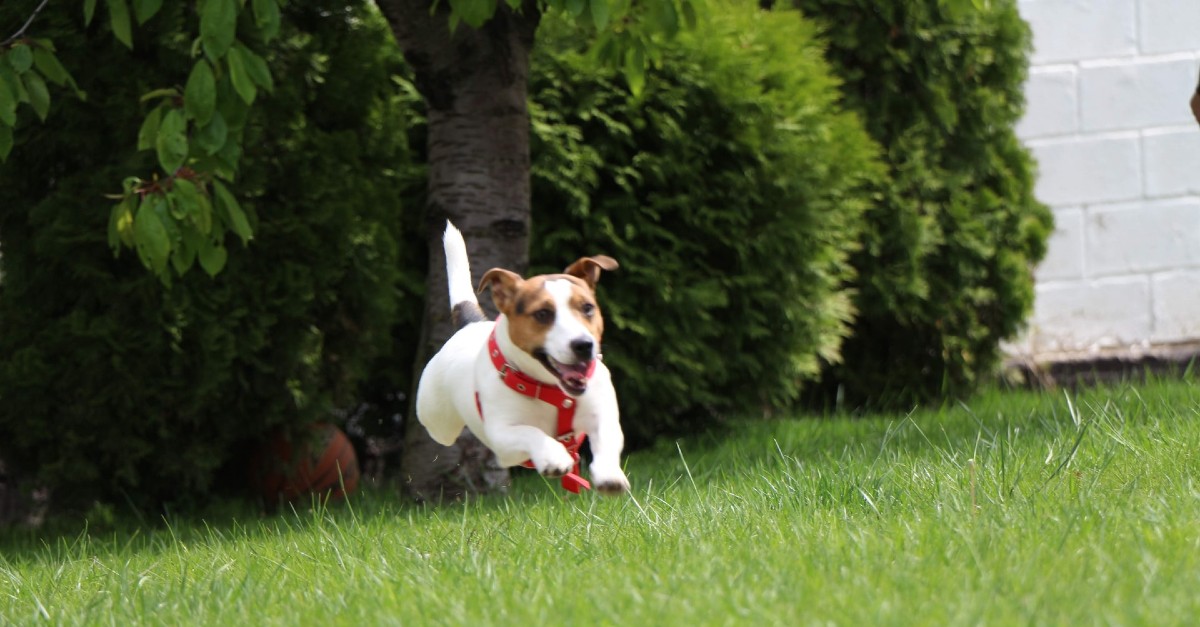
(588, 268)
(503, 284)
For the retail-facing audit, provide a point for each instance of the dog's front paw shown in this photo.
(555, 463)
(609, 482)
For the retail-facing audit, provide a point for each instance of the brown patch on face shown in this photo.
(585, 308)
(529, 308)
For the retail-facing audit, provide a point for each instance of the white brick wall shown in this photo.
(1119, 163)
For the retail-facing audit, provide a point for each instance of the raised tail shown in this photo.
(464, 307)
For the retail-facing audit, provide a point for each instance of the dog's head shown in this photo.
(554, 317)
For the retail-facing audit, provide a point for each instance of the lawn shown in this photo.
(1013, 508)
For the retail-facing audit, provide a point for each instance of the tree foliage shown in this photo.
(113, 388)
(182, 211)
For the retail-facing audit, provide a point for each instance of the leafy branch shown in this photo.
(24, 27)
(26, 65)
(182, 214)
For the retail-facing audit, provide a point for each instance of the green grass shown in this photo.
(1017, 508)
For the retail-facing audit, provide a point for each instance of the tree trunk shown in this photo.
(475, 83)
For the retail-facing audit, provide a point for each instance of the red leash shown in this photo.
(551, 394)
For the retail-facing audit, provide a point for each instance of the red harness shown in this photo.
(522, 383)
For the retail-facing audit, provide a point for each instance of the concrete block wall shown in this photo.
(1119, 162)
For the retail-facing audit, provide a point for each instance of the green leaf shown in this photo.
(171, 142)
(8, 105)
(192, 239)
(233, 212)
(600, 13)
(39, 96)
(162, 209)
(635, 70)
(666, 18)
(218, 27)
(211, 137)
(231, 106)
(242, 82)
(145, 9)
(120, 224)
(229, 156)
(118, 13)
(148, 134)
(212, 257)
(575, 7)
(690, 19)
(153, 242)
(174, 209)
(6, 141)
(187, 198)
(49, 66)
(20, 57)
(200, 93)
(202, 219)
(256, 68)
(16, 86)
(183, 257)
(89, 11)
(164, 92)
(474, 12)
(129, 183)
(266, 17)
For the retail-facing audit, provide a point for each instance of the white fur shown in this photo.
(516, 427)
(567, 328)
(458, 269)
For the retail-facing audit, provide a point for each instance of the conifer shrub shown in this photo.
(731, 191)
(115, 388)
(945, 270)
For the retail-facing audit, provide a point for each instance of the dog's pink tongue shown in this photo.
(575, 374)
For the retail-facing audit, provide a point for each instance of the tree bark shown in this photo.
(475, 83)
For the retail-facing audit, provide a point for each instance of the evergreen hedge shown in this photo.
(731, 192)
(945, 271)
(114, 388)
(763, 241)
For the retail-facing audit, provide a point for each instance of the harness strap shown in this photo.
(547, 393)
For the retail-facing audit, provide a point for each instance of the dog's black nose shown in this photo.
(583, 348)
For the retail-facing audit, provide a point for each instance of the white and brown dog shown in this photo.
(530, 385)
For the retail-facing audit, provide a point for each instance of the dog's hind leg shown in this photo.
(443, 423)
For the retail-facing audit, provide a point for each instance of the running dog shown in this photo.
(530, 384)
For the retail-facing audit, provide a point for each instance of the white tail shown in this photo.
(458, 268)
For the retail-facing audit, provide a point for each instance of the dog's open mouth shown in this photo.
(573, 378)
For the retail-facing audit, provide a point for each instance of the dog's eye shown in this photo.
(588, 309)
(544, 316)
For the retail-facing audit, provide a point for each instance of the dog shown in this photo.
(529, 384)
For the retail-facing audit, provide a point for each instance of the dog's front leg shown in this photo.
(513, 444)
(607, 440)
